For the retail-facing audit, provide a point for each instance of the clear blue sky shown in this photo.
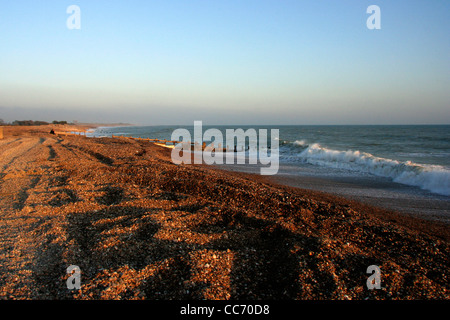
(226, 61)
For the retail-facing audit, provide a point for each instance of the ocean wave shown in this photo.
(300, 143)
(433, 178)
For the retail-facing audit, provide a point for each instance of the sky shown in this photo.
(226, 62)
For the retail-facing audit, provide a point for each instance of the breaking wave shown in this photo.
(433, 178)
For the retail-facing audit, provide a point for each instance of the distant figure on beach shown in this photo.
(52, 131)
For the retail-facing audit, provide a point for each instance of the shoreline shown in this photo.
(370, 189)
(432, 208)
(373, 191)
(410, 216)
(439, 222)
(419, 222)
(141, 227)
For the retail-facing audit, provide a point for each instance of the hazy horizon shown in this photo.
(222, 62)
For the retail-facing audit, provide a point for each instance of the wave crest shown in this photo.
(433, 178)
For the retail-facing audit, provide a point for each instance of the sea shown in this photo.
(372, 162)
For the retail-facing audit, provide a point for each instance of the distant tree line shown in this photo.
(30, 123)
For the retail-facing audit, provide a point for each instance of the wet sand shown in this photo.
(375, 191)
(381, 194)
(140, 227)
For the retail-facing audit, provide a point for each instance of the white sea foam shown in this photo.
(429, 177)
(300, 143)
